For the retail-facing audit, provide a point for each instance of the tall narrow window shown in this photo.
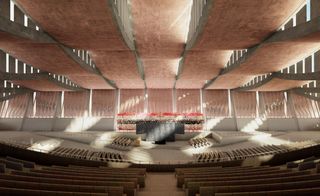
(7, 62)
(229, 103)
(308, 10)
(25, 21)
(11, 10)
(312, 63)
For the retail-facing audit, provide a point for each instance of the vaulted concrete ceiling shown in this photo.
(282, 49)
(160, 29)
(231, 25)
(88, 25)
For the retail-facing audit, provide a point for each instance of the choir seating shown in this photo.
(68, 180)
(122, 143)
(199, 142)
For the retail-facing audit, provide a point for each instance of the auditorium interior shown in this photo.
(159, 97)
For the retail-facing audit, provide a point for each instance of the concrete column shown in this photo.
(31, 24)
(174, 100)
(146, 100)
(20, 67)
(5, 8)
(286, 70)
(308, 64)
(202, 100)
(18, 16)
(291, 69)
(2, 61)
(262, 110)
(117, 108)
(233, 112)
(83, 55)
(315, 8)
(28, 69)
(317, 65)
(56, 112)
(29, 109)
(231, 59)
(317, 61)
(289, 24)
(302, 16)
(12, 64)
(239, 54)
(299, 67)
(291, 107)
(203, 110)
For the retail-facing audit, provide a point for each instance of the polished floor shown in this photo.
(161, 184)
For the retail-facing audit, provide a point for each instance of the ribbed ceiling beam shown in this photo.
(38, 76)
(307, 95)
(307, 32)
(194, 35)
(124, 25)
(283, 76)
(29, 35)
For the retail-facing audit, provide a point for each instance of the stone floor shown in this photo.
(161, 184)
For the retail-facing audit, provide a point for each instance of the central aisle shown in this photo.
(161, 184)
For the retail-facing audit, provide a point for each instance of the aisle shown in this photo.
(161, 184)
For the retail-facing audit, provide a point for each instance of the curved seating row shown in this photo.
(199, 142)
(88, 154)
(261, 180)
(69, 180)
(122, 143)
(77, 153)
(239, 154)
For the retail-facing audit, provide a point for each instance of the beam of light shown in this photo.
(130, 103)
(174, 65)
(258, 121)
(212, 123)
(183, 21)
(147, 145)
(266, 138)
(190, 109)
(176, 71)
(45, 146)
(190, 150)
(161, 132)
(139, 155)
(261, 137)
(253, 125)
(102, 140)
(81, 124)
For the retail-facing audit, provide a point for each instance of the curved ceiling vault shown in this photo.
(160, 29)
(88, 25)
(231, 25)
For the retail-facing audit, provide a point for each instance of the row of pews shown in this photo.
(243, 153)
(88, 154)
(248, 180)
(77, 153)
(199, 142)
(19, 177)
(122, 143)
